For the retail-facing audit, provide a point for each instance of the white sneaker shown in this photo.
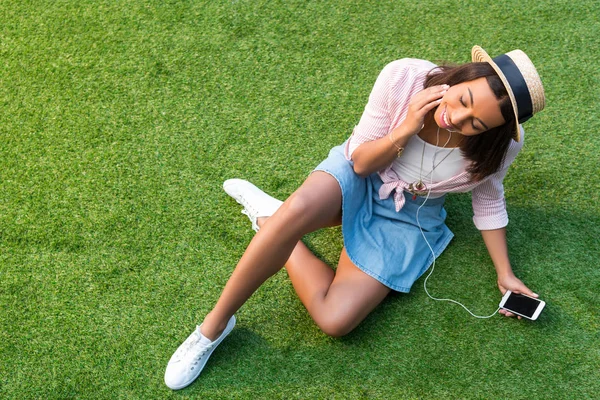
(190, 358)
(256, 202)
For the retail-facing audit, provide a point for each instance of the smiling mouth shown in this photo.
(446, 121)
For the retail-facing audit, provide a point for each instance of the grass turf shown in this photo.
(120, 120)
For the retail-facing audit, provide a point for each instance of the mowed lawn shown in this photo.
(119, 121)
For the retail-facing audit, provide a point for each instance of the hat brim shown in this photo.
(480, 55)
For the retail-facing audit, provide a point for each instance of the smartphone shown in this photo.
(523, 305)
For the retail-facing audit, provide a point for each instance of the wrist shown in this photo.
(400, 135)
(505, 274)
(399, 149)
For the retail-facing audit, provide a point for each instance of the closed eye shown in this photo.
(483, 126)
(462, 102)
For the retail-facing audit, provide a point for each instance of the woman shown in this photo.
(426, 131)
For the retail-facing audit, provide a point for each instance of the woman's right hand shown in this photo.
(418, 107)
(373, 155)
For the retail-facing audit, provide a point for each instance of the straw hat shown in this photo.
(521, 80)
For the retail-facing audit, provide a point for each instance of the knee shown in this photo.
(296, 206)
(335, 327)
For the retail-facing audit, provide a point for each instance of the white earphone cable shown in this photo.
(431, 249)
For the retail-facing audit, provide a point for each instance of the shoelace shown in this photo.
(184, 350)
(253, 218)
(250, 212)
(248, 208)
(199, 356)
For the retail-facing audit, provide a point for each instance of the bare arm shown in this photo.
(495, 241)
(377, 154)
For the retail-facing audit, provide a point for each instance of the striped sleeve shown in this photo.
(388, 101)
(489, 206)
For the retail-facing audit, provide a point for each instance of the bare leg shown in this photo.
(316, 204)
(338, 301)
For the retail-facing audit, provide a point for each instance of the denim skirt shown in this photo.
(383, 243)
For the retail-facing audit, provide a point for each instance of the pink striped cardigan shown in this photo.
(387, 108)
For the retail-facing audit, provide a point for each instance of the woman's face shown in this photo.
(469, 108)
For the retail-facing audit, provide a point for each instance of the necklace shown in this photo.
(418, 188)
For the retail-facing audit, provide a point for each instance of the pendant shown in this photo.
(417, 188)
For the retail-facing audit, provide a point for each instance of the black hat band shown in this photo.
(518, 85)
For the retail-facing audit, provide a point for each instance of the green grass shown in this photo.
(119, 120)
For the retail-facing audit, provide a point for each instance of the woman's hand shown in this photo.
(421, 103)
(374, 155)
(515, 285)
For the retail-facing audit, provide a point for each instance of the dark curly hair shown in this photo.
(487, 150)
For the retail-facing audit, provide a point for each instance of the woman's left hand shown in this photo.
(515, 285)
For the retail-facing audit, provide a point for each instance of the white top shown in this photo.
(444, 162)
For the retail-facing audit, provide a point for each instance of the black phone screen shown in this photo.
(521, 304)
